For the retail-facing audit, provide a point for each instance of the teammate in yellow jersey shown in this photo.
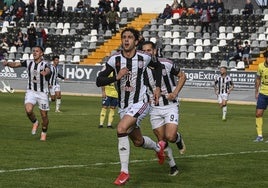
(261, 94)
(109, 100)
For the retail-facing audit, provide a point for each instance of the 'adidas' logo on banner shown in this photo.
(8, 72)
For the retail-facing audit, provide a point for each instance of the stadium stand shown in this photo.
(179, 37)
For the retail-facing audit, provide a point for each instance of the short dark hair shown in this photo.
(135, 32)
(40, 47)
(149, 42)
(55, 57)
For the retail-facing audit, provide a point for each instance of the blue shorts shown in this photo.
(262, 101)
(109, 101)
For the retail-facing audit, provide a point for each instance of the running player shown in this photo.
(37, 88)
(54, 86)
(128, 67)
(164, 116)
(223, 87)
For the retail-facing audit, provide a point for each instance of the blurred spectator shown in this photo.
(212, 5)
(205, 5)
(196, 5)
(40, 7)
(214, 20)
(6, 14)
(87, 4)
(112, 18)
(19, 15)
(237, 55)
(59, 8)
(41, 36)
(51, 6)
(79, 7)
(96, 19)
(205, 19)
(18, 42)
(248, 9)
(25, 40)
(246, 52)
(167, 13)
(175, 5)
(4, 44)
(220, 7)
(30, 10)
(101, 5)
(31, 31)
(107, 6)
(104, 23)
(116, 5)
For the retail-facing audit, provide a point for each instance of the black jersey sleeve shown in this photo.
(103, 79)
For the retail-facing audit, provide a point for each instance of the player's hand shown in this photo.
(121, 73)
(171, 96)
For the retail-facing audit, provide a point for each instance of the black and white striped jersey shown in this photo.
(131, 88)
(223, 84)
(54, 75)
(168, 81)
(36, 81)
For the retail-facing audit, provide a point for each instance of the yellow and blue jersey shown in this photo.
(263, 74)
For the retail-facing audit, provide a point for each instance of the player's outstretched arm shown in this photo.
(12, 64)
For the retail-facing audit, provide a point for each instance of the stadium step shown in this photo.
(114, 43)
(255, 63)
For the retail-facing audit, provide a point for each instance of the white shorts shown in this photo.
(34, 97)
(222, 97)
(161, 115)
(137, 110)
(54, 89)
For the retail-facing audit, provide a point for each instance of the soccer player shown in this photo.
(54, 86)
(37, 88)
(128, 67)
(109, 100)
(164, 116)
(261, 94)
(223, 87)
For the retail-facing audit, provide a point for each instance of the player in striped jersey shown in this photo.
(164, 116)
(128, 67)
(261, 95)
(223, 87)
(54, 86)
(37, 88)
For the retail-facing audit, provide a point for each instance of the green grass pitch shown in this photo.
(78, 154)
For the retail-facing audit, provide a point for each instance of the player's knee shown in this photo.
(258, 115)
(171, 138)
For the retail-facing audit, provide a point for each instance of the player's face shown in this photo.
(128, 41)
(56, 61)
(223, 71)
(148, 48)
(37, 53)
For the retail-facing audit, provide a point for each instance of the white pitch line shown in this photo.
(133, 161)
